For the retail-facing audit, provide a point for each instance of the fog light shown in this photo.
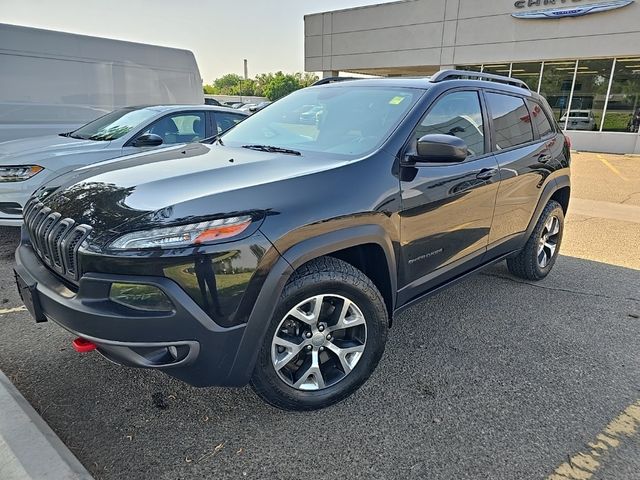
(140, 297)
(173, 351)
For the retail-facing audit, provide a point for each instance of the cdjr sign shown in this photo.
(570, 9)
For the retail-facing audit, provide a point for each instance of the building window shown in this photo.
(623, 108)
(469, 68)
(529, 73)
(589, 95)
(497, 69)
(557, 80)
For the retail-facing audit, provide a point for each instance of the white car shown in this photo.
(27, 164)
(579, 120)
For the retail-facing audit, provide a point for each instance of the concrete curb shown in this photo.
(29, 449)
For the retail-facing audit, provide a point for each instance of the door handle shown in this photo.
(486, 173)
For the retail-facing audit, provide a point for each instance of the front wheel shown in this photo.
(325, 339)
(536, 259)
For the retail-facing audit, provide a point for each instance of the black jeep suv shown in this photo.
(278, 254)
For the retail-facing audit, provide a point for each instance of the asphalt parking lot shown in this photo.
(493, 378)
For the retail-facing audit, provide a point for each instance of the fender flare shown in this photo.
(341, 239)
(299, 254)
(549, 189)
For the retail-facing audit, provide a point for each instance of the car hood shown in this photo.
(176, 185)
(43, 150)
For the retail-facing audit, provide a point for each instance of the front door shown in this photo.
(174, 128)
(447, 208)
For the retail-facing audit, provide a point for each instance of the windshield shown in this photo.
(115, 124)
(338, 120)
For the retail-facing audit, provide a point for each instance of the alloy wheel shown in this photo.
(548, 243)
(319, 342)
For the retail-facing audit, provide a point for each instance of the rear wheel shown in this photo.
(536, 259)
(325, 339)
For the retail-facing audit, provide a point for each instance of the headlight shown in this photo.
(19, 173)
(184, 235)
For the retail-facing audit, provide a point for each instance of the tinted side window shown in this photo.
(225, 121)
(540, 119)
(179, 128)
(511, 120)
(458, 114)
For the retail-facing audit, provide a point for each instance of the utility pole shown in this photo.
(246, 70)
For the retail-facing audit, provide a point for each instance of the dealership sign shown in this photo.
(566, 11)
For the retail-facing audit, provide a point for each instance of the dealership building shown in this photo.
(582, 55)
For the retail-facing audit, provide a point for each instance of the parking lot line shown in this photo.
(4, 311)
(582, 466)
(612, 168)
(610, 210)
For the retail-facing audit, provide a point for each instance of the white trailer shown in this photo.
(54, 82)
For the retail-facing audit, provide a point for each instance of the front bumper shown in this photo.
(11, 221)
(186, 343)
(19, 193)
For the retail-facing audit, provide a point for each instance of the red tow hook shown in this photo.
(82, 345)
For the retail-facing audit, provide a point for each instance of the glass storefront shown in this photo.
(623, 109)
(529, 73)
(590, 95)
(470, 68)
(496, 69)
(557, 79)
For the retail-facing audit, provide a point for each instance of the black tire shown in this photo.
(323, 276)
(526, 264)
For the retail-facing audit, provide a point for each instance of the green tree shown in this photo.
(209, 89)
(281, 85)
(261, 82)
(245, 87)
(306, 79)
(226, 84)
(270, 85)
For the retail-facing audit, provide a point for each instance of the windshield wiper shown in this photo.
(272, 149)
(71, 135)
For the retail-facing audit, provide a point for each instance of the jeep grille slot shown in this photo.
(56, 240)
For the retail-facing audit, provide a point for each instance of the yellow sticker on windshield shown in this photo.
(396, 100)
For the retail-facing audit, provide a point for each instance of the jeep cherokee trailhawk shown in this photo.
(278, 253)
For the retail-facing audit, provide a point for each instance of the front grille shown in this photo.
(56, 240)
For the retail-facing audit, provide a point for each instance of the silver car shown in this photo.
(579, 120)
(27, 164)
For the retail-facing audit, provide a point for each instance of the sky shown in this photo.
(268, 33)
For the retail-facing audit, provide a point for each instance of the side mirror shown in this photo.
(148, 140)
(437, 148)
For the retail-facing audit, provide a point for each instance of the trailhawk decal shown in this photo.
(574, 11)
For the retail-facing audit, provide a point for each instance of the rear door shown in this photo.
(523, 156)
(447, 208)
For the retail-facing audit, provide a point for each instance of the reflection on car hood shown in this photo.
(43, 150)
(112, 193)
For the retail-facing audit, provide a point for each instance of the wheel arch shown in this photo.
(366, 247)
(348, 244)
(562, 195)
(558, 189)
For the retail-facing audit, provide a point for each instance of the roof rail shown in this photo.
(325, 81)
(444, 75)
